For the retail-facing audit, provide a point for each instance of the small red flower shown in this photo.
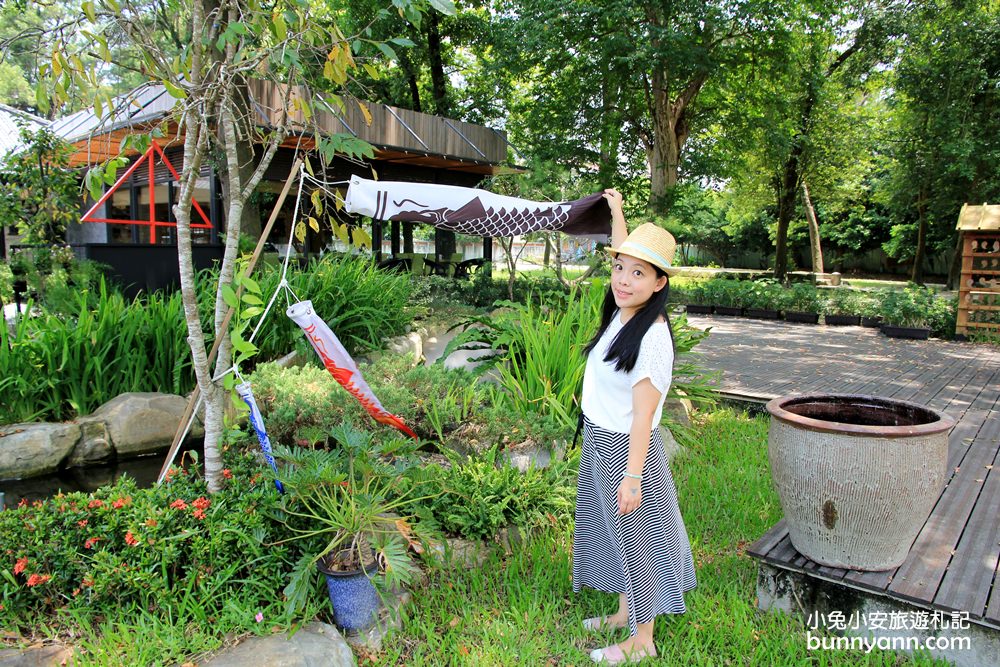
(198, 514)
(179, 505)
(202, 503)
(90, 542)
(23, 502)
(20, 565)
(122, 502)
(150, 523)
(87, 581)
(95, 503)
(76, 591)
(36, 579)
(130, 539)
(227, 473)
(82, 523)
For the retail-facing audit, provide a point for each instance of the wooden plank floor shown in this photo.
(953, 563)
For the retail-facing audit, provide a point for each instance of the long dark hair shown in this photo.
(624, 349)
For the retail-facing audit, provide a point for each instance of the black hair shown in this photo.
(624, 349)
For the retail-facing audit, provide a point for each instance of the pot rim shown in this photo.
(776, 407)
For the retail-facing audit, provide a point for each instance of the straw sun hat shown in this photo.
(652, 244)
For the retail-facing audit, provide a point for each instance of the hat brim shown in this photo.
(614, 252)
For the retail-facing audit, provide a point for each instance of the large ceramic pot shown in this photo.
(352, 596)
(857, 475)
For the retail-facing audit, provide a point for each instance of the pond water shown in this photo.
(143, 470)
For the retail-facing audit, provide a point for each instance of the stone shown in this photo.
(94, 445)
(678, 411)
(144, 422)
(670, 446)
(460, 552)
(411, 344)
(27, 450)
(315, 645)
(47, 655)
(524, 458)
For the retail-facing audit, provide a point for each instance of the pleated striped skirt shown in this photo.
(644, 554)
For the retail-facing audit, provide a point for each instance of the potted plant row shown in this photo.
(801, 303)
(908, 313)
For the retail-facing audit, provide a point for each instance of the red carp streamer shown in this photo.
(343, 369)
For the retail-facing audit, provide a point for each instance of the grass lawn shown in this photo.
(520, 609)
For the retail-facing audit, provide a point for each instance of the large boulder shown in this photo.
(94, 445)
(143, 422)
(27, 450)
(315, 645)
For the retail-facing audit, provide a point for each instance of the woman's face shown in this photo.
(633, 282)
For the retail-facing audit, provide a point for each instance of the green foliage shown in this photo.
(801, 297)
(361, 304)
(158, 549)
(38, 192)
(56, 366)
(541, 366)
(726, 292)
(351, 507)
(478, 497)
(763, 293)
(842, 301)
(917, 306)
(55, 278)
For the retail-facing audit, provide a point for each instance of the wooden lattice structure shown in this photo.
(979, 290)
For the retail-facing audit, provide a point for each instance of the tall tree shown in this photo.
(631, 72)
(231, 42)
(947, 109)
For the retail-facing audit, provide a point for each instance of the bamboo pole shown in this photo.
(189, 411)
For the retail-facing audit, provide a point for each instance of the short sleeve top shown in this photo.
(607, 393)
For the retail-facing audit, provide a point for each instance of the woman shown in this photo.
(630, 538)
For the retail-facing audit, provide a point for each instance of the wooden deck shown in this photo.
(952, 565)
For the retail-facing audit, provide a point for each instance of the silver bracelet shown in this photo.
(631, 476)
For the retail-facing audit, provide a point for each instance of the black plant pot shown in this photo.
(800, 316)
(842, 320)
(732, 311)
(762, 313)
(697, 309)
(914, 333)
(872, 322)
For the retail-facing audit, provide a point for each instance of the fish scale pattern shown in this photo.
(514, 222)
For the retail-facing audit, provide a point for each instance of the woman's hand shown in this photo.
(629, 495)
(614, 198)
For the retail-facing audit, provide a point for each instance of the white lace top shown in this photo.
(607, 393)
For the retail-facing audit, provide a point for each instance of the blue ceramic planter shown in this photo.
(352, 596)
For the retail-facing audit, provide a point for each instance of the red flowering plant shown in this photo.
(123, 547)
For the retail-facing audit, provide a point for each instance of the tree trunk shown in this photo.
(955, 266)
(439, 82)
(411, 80)
(547, 257)
(815, 249)
(917, 273)
(195, 149)
(408, 237)
(670, 131)
(788, 187)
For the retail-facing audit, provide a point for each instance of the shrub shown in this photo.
(122, 547)
(478, 497)
(842, 301)
(801, 297)
(727, 293)
(917, 306)
(763, 294)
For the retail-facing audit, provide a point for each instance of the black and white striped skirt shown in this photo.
(646, 553)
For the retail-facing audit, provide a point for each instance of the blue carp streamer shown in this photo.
(257, 421)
